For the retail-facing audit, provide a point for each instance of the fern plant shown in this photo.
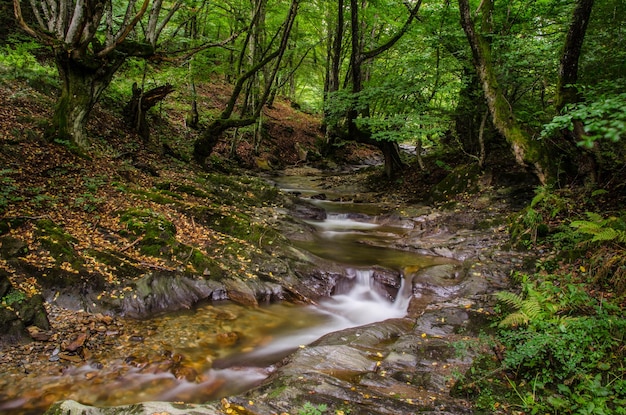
(531, 306)
(607, 261)
(601, 229)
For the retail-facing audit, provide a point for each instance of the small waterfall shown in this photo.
(363, 303)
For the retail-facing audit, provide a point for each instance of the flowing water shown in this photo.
(220, 349)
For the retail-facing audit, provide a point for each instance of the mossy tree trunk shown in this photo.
(82, 82)
(526, 150)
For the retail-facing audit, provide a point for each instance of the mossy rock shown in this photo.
(464, 179)
(157, 197)
(10, 223)
(11, 247)
(168, 187)
(158, 234)
(204, 265)
(125, 266)
(240, 190)
(59, 243)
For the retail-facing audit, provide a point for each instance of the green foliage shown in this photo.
(601, 230)
(8, 189)
(309, 409)
(602, 114)
(564, 349)
(13, 297)
(607, 237)
(531, 223)
(17, 61)
(536, 303)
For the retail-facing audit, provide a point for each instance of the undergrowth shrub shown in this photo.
(563, 349)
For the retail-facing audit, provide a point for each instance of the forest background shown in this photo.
(533, 85)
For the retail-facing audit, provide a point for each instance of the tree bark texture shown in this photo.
(526, 150)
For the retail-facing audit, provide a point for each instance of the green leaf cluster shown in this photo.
(564, 349)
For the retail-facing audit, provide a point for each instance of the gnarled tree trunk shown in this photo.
(81, 87)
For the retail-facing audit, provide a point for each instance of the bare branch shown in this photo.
(166, 20)
(152, 21)
(72, 35)
(126, 31)
(377, 51)
(38, 17)
(20, 20)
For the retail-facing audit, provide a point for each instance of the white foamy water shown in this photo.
(361, 305)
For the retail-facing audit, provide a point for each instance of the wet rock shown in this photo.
(12, 329)
(74, 358)
(165, 291)
(39, 335)
(307, 211)
(77, 342)
(147, 408)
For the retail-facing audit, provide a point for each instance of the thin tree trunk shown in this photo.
(567, 92)
(581, 161)
(211, 136)
(481, 140)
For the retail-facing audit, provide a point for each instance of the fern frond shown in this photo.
(606, 234)
(514, 300)
(532, 308)
(594, 217)
(514, 319)
(587, 227)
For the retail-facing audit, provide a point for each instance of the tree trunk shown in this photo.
(137, 108)
(81, 87)
(203, 147)
(567, 92)
(526, 150)
(579, 161)
(393, 160)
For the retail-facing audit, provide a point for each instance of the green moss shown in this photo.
(123, 265)
(460, 180)
(239, 190)
(156, 197)
(58, 243)
(170, 188)
(203, 264)
(158, 235)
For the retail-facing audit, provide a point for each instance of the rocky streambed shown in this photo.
(405, 364)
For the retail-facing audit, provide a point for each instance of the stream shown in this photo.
(221, 348)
